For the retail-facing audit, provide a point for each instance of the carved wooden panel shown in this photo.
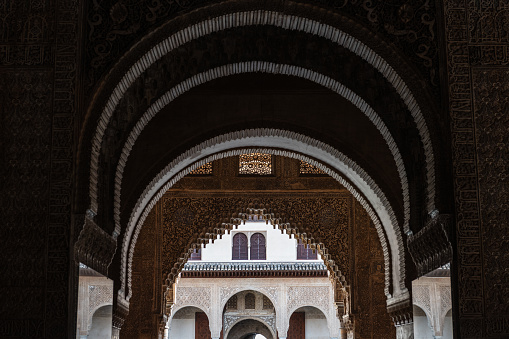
(188, 217)
(140, 320)
(201, 326)
(38, 91)
(491, 105)
(297, 326)
(369, 302)
(478, 108)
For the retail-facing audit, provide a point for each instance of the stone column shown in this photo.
(216, 313)
(282, 320)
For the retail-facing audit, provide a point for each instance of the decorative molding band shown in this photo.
(184, 164)
(94, 248)
(261, 17)
(431, 247)
(265, 67)
(401, 312)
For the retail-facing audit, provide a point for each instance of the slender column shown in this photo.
(216, 314)
(282, 320)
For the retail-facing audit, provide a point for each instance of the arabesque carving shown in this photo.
(431, 248)
(95, 248)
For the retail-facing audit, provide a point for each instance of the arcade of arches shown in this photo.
(109, 109)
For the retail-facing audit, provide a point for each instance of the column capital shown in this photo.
(431, 247)
(401, 312)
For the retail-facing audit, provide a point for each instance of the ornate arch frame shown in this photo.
(180, 307)
(326, 314)
(277, 19)
(290, 22)
(239, 290)
(371, 197)
(108, 303)
(251, 318)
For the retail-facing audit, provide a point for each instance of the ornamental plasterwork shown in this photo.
(271, 292)
(230, 320)
(421, 297)
(197, 296)
(391, 228)
(99, 295)
(227, 292)
(445, 299)
(433, 295)
(299, 296)
(256, 17)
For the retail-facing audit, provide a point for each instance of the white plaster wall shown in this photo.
(447, 332)
(280, 247)
(317, 329)
(181, 329)
(422, 329)
(101, 328)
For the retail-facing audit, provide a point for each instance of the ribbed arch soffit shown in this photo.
(249, 18)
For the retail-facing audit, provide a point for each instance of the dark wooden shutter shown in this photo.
(258, 251)
(250, 301)
(304, 252)
(201, 326)
(239, 251)
(297, 326)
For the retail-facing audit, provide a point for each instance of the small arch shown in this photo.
(184, 313)
(423, 323)
(236, 292)
(316, 323)
(176, 309)
(101, 321)
(265, 329)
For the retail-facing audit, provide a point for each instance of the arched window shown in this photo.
(304, 252)
(250, 301)
(258, 247)
(239, 251)
(232, 303)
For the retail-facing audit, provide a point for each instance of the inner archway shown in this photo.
(249, 329)
(188, 208)
(382, 215)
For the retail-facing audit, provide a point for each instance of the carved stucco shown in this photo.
(315, 292)
(433, 296)
(265, 67)
(246, 19)
(194, 296)
(161, 185)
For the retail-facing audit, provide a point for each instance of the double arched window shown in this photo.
(240, 247)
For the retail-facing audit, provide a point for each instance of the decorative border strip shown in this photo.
(261, 17)
(177, 169)
(264, 67)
